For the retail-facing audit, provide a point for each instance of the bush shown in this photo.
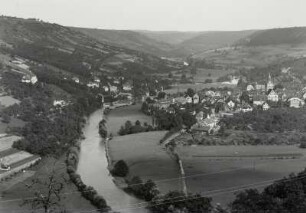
(208, 81)
(120, 169)
(146, 191)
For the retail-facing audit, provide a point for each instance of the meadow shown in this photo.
(197, 87)
(222, 171)
(147, 159)
(213, 74)
(117, 117)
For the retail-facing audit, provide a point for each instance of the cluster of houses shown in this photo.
(269, 95)
(211, 105)
(113, 87)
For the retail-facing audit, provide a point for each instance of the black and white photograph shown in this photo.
(152, 106)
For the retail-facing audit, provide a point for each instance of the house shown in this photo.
(93, 85)
(273, 96)
(270, 84)
(113, 88)
(265, 106)
(97, 80)
(296, 102)
(29, 79)
(209, 124)
(189, 99)
(196, 99)
(286, 70)
(231, 104)
(125, 95)
(59, 103)
(210, 93)
(234, 80)
(76, 80)
(127, 86)
(246, 108)
(250, 88)
(199, 116)
(260, 87)
(259, 99)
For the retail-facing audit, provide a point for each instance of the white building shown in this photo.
(196, 99)
(93, 85)
(60, 103)
(250, 87)
(265, 106)
(29, 79)
(273, 96)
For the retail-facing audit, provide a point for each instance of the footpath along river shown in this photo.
(93, 170)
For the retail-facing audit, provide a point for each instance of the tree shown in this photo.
(184, 79)
(161, 95)
(245, 97)
(120, 169)
(47, 192)
(193, 71)
(190, 92)
(175, 201)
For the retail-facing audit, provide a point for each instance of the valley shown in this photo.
(230, 105)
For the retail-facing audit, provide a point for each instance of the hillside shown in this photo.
(129, 39)
(213, 40)
(279, 36)
(167, 43)
(170, 37)
(72, 51)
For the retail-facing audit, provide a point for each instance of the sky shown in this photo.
(162, 15)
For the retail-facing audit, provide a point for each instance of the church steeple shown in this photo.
(270, 84)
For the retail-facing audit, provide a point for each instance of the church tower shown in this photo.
(270, 84)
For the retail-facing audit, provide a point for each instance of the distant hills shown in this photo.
(183, 44)
(278, 36)
(111, 48)
(75, 52)
(168, 44)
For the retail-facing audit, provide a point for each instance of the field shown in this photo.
(117, 117)
(13, 123)
(214, 74)
(7, 142)
(220, 171)
(253, 56)
(146, 158)
(196, 86)
(8, 101)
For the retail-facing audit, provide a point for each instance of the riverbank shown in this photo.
(93, 169)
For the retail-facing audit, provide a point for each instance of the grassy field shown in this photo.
(196, 86)
(16, 189)
(214, 74)
(253, 56)
(219, 171)
(146, 158)
(8, 101)
(13, 123)
(7, 142)
(117, 117)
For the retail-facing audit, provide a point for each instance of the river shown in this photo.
(93, 169)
